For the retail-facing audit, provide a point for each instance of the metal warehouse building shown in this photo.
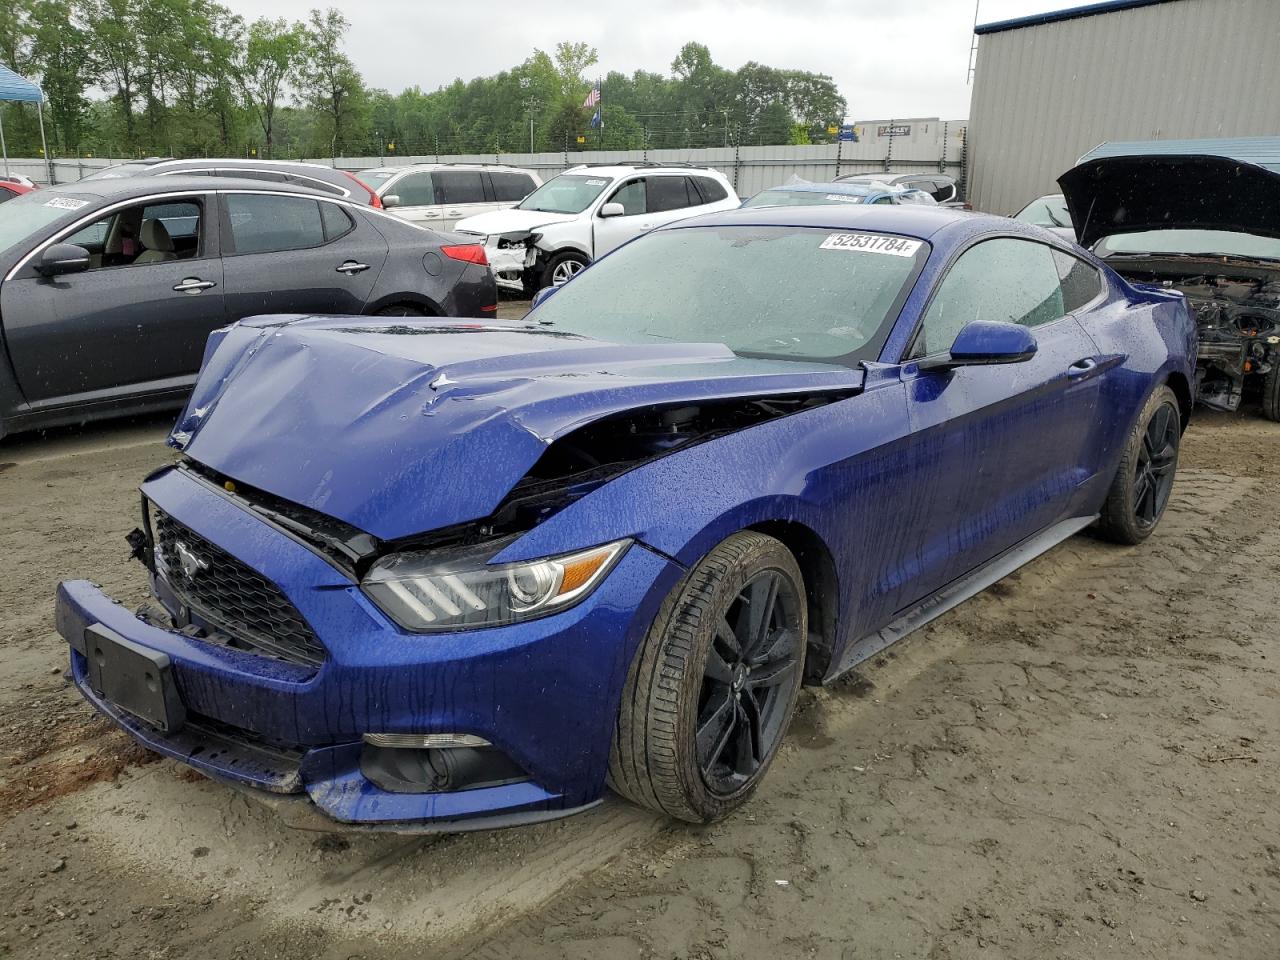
(1049, 88)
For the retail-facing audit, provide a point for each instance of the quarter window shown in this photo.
(336, 221)
(458, 186)
(1081, 282)
(712, 190)
(1003, 279)
(266, 224)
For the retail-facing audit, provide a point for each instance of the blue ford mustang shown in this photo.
(443, 574)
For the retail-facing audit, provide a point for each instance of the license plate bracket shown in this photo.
(134, 678)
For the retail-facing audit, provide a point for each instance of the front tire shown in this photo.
(562, 268)
(712, 688)
(1144, 481)
(1271, 392)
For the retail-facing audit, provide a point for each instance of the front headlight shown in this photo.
(460, 590)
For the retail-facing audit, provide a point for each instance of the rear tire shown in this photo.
(711, 690)
(1144, 480)
(1271, 392)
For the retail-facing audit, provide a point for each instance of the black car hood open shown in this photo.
(1113, 195)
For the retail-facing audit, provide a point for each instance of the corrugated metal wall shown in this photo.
(1044, 95)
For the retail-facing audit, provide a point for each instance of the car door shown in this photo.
(460, 194)
(610, 232)
(138, 318)
(415, 198)
(290, 253)
(1006, 446)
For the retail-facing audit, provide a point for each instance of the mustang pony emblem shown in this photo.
(188, 561)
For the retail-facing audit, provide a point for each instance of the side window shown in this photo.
(1081, 282)
(414, 190)
(315, 183)
(511, 187)
(149, 233)
(711, 189)
(458, 186)
(238, 173)
(265, 224)
(632, 197)
(6, 195)
(1001, 279)
(337, 221)
(669, 193)
(884, 198)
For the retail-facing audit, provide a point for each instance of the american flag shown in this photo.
(592, 98)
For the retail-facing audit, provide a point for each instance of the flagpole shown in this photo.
(600, 107)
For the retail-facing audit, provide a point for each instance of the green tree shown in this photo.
(272, 54)
(328, 82)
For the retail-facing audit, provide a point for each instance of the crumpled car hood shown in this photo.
(1130, 194)
(402, 427)
(510, 221)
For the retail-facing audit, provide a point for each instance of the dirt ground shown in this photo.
(1081, 762)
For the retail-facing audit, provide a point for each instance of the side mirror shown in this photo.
(542, 295)
(613, 209)
(62, 258)
(984, 342)
(390, 200)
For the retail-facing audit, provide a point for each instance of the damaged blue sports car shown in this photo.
(446, 574)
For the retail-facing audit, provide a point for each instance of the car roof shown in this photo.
(429, 165)
(626, 169)
(852, 188)
(125, 188)
(250, 163)
(915, 221)
(893, 176)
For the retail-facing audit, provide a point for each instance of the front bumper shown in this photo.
(544, 692)
(508, 260)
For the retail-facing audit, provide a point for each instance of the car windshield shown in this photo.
(1214, 243)
(565, 194)
(1045, 212)
(119, 170)
(780, 292)
(800, 198)
(32, 212)
(377, 176)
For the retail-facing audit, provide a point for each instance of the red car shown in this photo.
(9, 190)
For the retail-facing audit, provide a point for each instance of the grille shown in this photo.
(230, 596)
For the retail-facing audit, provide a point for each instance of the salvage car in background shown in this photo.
(804, 194)
(940, 186)
(110, 287)
(1050, 212)
(507, 563)
(438, 195)
(313, 175)
(1208, 226)
(11, 188)
(587, 211)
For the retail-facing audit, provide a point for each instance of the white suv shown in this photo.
(438, 195)
(587, 211)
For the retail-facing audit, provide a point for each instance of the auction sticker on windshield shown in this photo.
(66, 203)
(871, 243)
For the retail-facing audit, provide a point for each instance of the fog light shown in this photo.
(425, 741)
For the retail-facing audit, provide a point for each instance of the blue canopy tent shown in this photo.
(14, 87)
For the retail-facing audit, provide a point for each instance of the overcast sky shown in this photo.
(890, 58)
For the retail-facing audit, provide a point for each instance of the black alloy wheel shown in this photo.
(743, 704)
(714, 683)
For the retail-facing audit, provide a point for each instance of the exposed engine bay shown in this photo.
(1236, 305)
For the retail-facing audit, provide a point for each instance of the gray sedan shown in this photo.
(109, 288)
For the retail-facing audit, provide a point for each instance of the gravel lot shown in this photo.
(1081, 762)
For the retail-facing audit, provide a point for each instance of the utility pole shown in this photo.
(726, 127)
(973, 43)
